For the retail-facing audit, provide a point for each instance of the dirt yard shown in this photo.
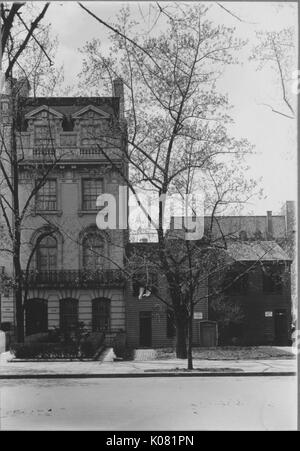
(233, 353)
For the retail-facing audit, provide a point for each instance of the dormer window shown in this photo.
(45, 124)
(44, 135)
(91, 122)
(89, 134)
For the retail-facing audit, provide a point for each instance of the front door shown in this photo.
(145, 329)
(208, 335)
(280, 328)
(36, 315)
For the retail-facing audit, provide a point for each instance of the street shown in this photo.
(183, 403)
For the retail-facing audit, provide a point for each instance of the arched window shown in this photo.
(68, 314)
(93, 251)
(36, 316)
(47, 254)
(100, 314)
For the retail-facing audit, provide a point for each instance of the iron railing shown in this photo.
(75, 278)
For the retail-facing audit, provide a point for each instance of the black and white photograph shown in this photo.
(148, 218)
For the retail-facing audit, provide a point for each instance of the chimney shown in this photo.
(290, 216)
(269, 225)
(22, 87)
(118, 91)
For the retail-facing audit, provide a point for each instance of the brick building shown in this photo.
(261, 247)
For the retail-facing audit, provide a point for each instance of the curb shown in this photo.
(145, 375)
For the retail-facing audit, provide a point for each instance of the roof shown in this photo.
(256, 250)
(68, 106)
(255, 227)
(251, 251)
(252, 225)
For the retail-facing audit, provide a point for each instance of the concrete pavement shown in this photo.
(149, 368)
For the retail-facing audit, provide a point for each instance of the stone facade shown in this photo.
(80, 142)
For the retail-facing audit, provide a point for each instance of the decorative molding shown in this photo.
(100, 112)
(33, 113)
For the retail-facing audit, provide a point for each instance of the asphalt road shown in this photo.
(225, 403)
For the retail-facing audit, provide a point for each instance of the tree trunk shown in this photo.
(181, 351)
(16, 227)
(190, 341)
(20, 332)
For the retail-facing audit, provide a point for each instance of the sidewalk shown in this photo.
(149, 368)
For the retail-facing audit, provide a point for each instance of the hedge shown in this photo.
(46, 351)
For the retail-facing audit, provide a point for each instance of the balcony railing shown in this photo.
(44, 153)
(76, 279)
(67, 146)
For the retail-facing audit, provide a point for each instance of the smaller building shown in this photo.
(255, 306)
(254, 309)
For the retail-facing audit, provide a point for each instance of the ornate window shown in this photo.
(93, 251)
(46, 197)
(100, 314)
(68, 314)
(91, 189)
(47, 254)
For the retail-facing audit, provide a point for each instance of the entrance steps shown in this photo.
(107, 355)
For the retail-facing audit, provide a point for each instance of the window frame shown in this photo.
(43, 140)
(64, 314)
(83, 194)
(40, 203)
(38, 254)
(97, 318)
(86, 237)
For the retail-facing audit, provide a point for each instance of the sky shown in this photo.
(274, 137)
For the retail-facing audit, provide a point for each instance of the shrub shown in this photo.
(87, 349)
(92, 343)
(55, 344)
(45, 351)
(120, 347)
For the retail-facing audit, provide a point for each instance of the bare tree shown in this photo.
(13, 40)
(24, 52)
(277, 51)
(177, 126)
(15, 208)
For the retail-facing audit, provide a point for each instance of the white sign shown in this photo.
(198, 315)
(268, 314)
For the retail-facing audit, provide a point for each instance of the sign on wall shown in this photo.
(268, 314)
(198, 315)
